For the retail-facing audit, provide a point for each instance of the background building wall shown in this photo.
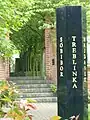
(4, 69)
(50, 56)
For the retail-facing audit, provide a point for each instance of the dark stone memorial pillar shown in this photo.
(71, 61)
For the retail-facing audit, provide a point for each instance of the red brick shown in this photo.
(51, 73)
(4, 68)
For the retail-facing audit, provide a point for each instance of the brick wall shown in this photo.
(50, 56)
(4, 65)
(4, 69)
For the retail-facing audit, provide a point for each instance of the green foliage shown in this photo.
(55, 118)
(29, 36)
(12, 17)
(19, 111)
(31, 100)
(11, 14)
(8, 94)
(53, 88)
(7, 48)
(89, 97)
(88, 111)
(9, 107)
(41, 15)
(15, 15)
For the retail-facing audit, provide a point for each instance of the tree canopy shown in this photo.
(29, 36)
(16, 15)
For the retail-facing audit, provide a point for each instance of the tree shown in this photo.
(10, 18)
(29, 36)
(15, 14)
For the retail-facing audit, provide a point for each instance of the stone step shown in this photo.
(34, 90)
(43, 99)
(30, 81)
(31, 95)
(27, 86)
(27, 78)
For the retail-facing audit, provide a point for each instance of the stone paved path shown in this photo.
(44, 111)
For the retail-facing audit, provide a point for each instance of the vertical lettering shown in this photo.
(61, 57)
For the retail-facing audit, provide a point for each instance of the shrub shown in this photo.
(8, 94)
(53, 88)
(9, 107)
